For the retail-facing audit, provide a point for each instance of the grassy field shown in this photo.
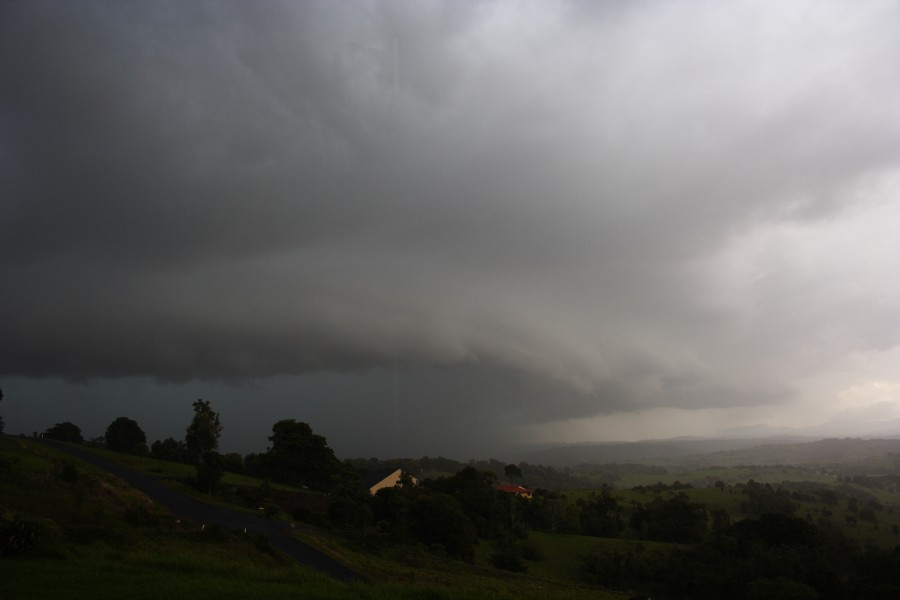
(101, 539)
(707, 476)
(883, 532)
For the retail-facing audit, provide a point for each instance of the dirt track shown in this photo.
(193, 510)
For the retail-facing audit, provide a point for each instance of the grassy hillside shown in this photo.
(71, 531)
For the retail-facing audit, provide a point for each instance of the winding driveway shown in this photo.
(193, 510)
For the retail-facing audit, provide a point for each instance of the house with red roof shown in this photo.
(518, 490)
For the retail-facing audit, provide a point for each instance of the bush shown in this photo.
(509, 555)
(65, 471)
(20, 531)
(141, 515)
(532, 552)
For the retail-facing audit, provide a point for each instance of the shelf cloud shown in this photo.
(550, 210)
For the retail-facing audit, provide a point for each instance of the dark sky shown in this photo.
(450, 227)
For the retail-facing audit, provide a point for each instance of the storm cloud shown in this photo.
(553, 210)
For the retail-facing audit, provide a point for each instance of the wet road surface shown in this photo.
(190, 509)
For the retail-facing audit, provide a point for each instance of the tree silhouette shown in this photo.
(512, 471)
(65, 432)
(169, 449)
(210, 471)
(203, 432)
(125, 435)
(300, 457)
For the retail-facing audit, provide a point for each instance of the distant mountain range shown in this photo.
(845, 425)
(733, 440)
(830, 451)
(721, 451)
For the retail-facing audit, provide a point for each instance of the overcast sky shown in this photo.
(449, 227)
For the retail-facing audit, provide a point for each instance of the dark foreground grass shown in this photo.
(180, 569)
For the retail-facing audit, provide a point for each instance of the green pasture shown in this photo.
(94, 545)
(708, 476)
(562, 554)
(403, 565)
(176, 471)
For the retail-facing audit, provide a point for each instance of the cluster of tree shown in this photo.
(424, 515)
(669, 517)
(600, 515)
(452, 512)
(662, 487)
(772, 556)
(198, 448)
(65, 432)
(448, 514)
(298, 457)
(672, 519)
(766, 499)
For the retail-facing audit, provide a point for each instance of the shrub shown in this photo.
(509, 555)
(65, 471)
(141, 515)
(20, 531)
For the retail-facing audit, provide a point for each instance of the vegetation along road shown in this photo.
(200, 512)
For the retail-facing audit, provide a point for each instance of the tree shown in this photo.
(203, 432)
(437, 520)
(169, 449)
(512, 471)
(427, 516)
(209, 471)
(65, 432)
(125, 435)
(475, 492)
(675, 519)
(764, 499)
(233, 462)
(601, 515)
(300, 457)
